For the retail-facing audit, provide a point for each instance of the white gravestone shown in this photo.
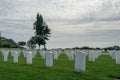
(34, 54)
(12, 52)
(71, 55)
(67, 53)
(80, 62)
(117, 57)
(15, 57)
(25, 53)
(49, 59)
(91, 56)
(59, 52)
(5, 54)
(56, 54)
(112, 54)
(29, 57)
(42, 53)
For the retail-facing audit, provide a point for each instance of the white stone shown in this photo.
(29, 57)
(70, 54)
(25, 53)
(3, 51)
(59, 51)
(71, 57)
(97, 54)
(12, 52)
(112, 54)
(42, 53)
(56, 54)
(117, 57)
(15, 57)
(49, 59)
(33, 54)
(5, 54)
(92, 56)
(80, 62)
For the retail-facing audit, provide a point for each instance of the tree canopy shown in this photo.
(42, 31)
(31, 43)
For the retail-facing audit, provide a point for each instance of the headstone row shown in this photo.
(93, 55)
(80, 58)
(115, 55)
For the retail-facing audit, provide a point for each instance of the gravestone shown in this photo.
(33, 53)
(29, 57)
(49, 59)
(92, 56)
(80, 62)
(70, 54)
(25, 53)
(12, 52)
(42, 53)
(112, 53)
(117, 57)
(59, 51)
(15, 56)
(56, 54)
(71, 57)
(5, 54)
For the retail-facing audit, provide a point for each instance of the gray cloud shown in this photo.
(65, 17)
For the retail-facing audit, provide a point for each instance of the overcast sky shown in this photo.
(94, 23)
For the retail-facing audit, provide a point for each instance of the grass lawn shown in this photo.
(104, 68)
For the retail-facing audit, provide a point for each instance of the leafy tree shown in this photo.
(31, 43)
(116, 47)
(42, 31)
(22, 43)
(8, 43)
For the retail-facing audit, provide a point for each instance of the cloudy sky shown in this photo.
(94, 23)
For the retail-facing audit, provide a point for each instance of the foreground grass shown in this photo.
(104, 68)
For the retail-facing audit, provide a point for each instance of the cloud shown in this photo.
(64, 17)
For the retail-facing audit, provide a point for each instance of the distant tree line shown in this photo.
(97, 48)
(112, 48)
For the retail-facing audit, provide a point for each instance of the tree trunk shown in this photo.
(39, 47)
(45, 47)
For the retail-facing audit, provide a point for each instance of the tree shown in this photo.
(42, 31)
(22, 43)
(116, 47)
(31, 43)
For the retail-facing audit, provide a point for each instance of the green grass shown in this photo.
(104, 68)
